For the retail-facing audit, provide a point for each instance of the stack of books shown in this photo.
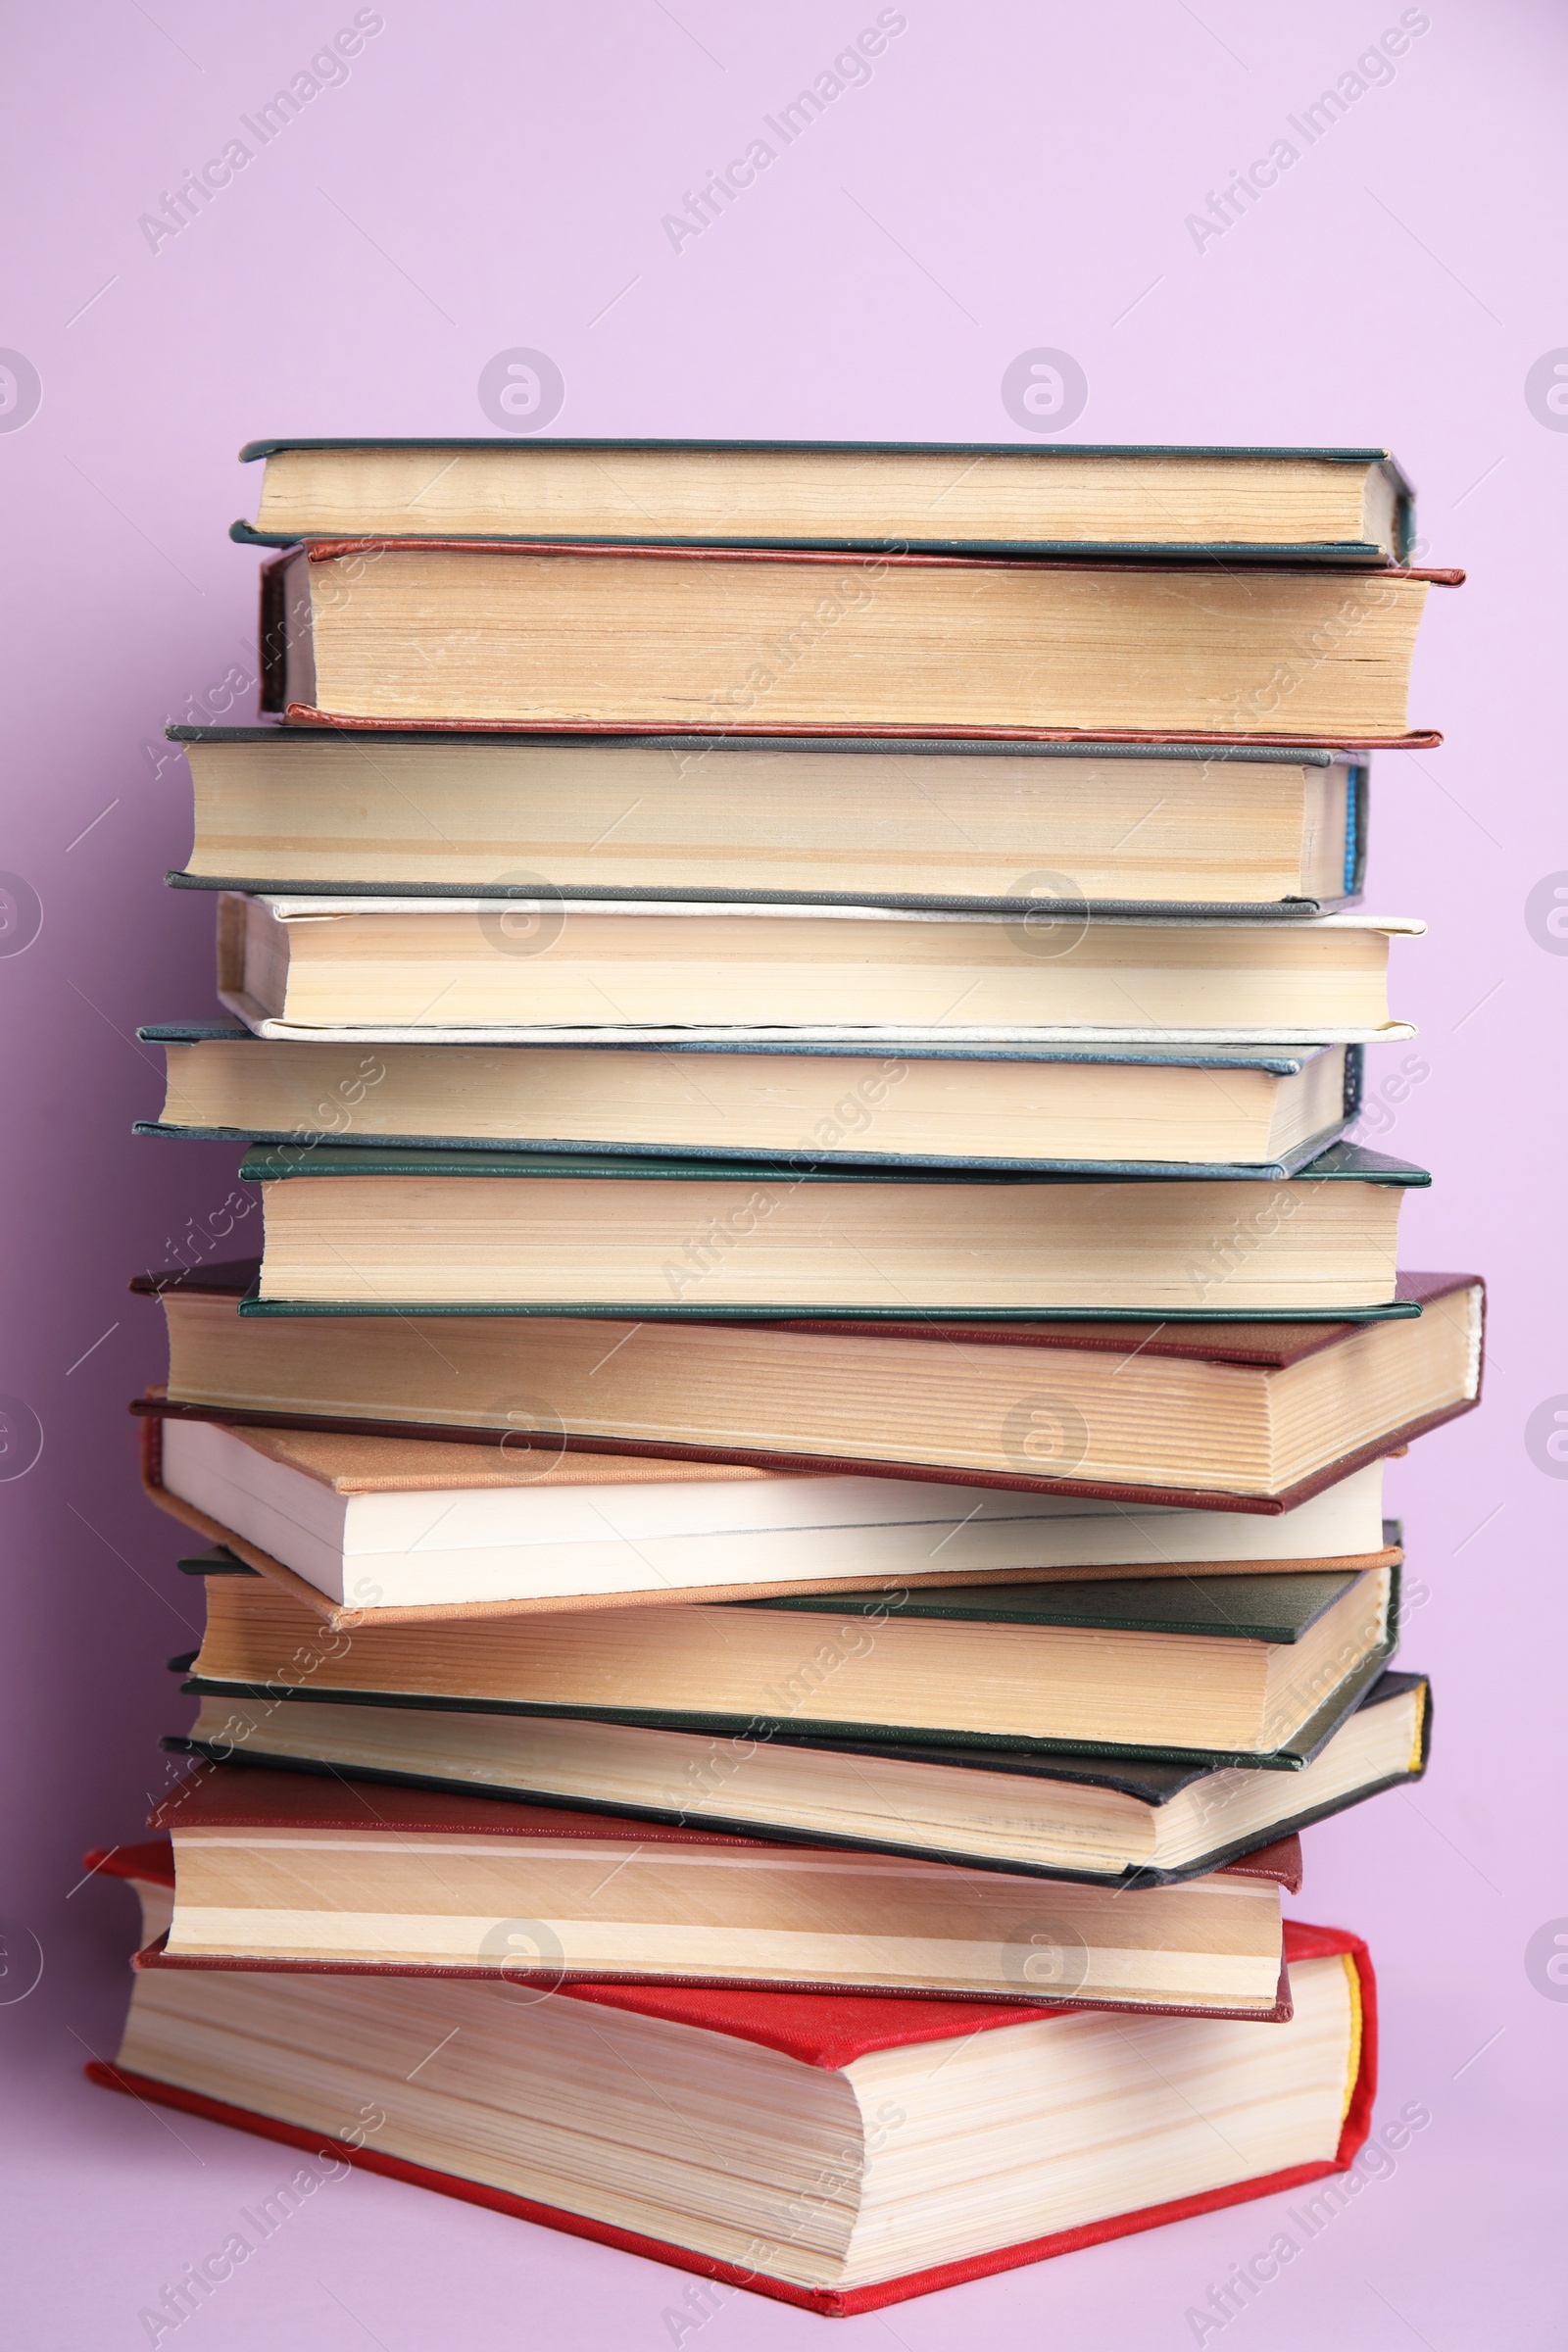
(784, 1431)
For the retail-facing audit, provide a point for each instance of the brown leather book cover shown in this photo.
(273, 632)
(1267, 1346)
(311, 714)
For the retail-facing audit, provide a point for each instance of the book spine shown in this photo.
(1357, 809)
(274, 637)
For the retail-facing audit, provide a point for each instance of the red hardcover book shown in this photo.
(814, 1918)
(830, 2035)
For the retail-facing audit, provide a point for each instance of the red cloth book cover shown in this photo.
(829, 2031)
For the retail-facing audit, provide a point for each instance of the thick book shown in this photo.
(948, 824)
(375, 1231)
(470, 970)
(1335, 506)
(294, 1871)
(518, 634)
(1238, 1415)
(1122, 1819)
(680, 2123)
(1227, 1669)
(1149, 1110)
(367, 1529)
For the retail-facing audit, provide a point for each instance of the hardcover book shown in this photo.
(377, 1231)
(400, 1529)
(854, 821)
(1225, 1668)
(1136, 1110)
(291, 1871)
(684, 2123)
(536, 634)
(466, 971)
(1232, 1415)
(792, 1469)
(1341, 505)
(1122, 1819)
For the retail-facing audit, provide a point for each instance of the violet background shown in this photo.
(1011, 176)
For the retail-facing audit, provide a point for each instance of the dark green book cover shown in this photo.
(265, 1165)
(1275, 1608)
(1343, 1163)
(1284, 1620)
(1148, 1780)
(1360, 554)
(1282, 1064)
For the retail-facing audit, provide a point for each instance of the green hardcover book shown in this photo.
(1226, 1670)
(949, 824)
(1335, 506)
(1109, 1819)
(1132, 1110)
(387, 1232)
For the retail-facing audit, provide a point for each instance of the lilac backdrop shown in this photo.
(1008, 177)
